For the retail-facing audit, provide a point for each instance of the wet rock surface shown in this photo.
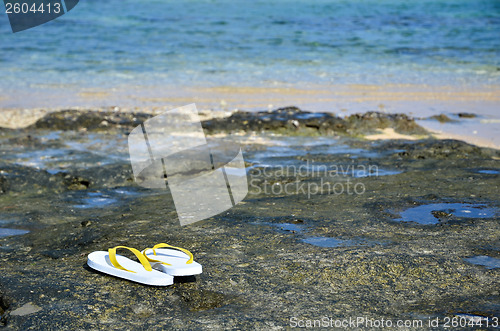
(292, 120)
(89, 120)
(442, 118)
(262, 260)
(289, 120)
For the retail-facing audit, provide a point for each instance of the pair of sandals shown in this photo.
(157, 265)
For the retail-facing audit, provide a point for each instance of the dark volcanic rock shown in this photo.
(442, 149)
(76, 183)
(89, 120)
(442, 118)
(292, 120)
(4, 184)
(370, 121)
(22, 179)
(284, 120)
(467, 115)
(289, 120)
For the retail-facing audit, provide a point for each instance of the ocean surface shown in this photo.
(233, 42)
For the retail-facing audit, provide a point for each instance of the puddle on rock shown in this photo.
(299, 157)
(6, 221)
(95, 200)
(88, 200)
(288, 227)
(488, 171)
(486, 261)
(279, 148)
(328, 242)
(374, 173)
(335, 242)
(6, 232)
(63, 150)
(433, 213)
(126, 191)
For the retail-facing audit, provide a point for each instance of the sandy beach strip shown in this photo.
(418, 101)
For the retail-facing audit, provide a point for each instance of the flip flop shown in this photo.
(175, 261)
(120, 266)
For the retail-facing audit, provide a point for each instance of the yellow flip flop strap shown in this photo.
(168, 246)
(142, 259)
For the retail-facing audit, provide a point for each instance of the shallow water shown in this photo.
(288, 153)
(327, 242)
(289, 227)
(6, 232)
(63, 151)
(336, 242)
(95, 202)
(107, 198)
(487, 261)
(488, 171)
(375, 173)
(424, 214)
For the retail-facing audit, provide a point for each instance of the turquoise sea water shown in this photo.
(233, 42)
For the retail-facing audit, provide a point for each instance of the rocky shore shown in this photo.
(393, 229)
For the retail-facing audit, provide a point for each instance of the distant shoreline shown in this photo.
(439, 126)
(421, 102)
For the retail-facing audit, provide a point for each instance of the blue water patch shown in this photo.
(95, 203)
(109, 197)
(288, 227)
(42, 159)
(89, 150)
(487, 261)
(488, 172)
(280, 149)
(273, 152)
(286, 167)
(6, 221)
(54, 171)
(307, 116)
(431, 213)
(336, 242)
(52, 135)
(327, 242)
(126, 191)
(374, 173)
(5, 232)
(95, 200)
(284, 152)
(53, 160)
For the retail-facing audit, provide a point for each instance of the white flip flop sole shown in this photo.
(100, 261)
(177, 261)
